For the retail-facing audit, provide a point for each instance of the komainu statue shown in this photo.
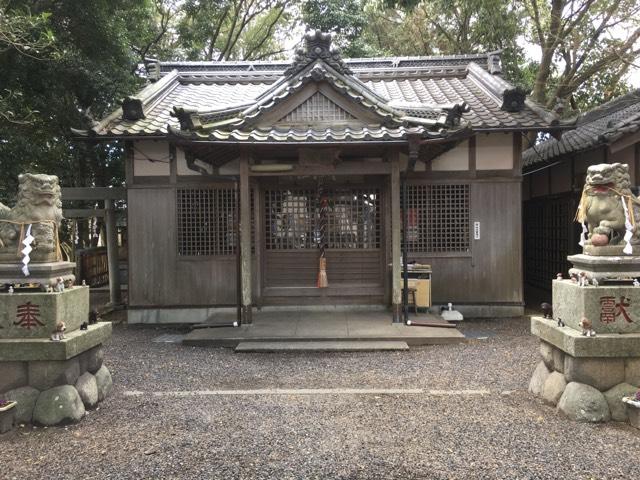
(608, 210)
(39, 206)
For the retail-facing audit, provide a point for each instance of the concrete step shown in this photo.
(322, 346)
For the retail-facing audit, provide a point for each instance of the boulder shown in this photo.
(14, 375)
(58, 405)
(540, 375)
(104, 382)
(558, 360)
(601, 373)
(26, 398)
(91, 360)
(44, 374)
(87, 388)
(632, 371)
(584, 403)
(553, 388)
(546, 352)
(614, 399)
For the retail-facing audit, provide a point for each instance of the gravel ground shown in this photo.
(506, 433)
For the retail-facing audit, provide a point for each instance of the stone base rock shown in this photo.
(26, 398)
(546, 352)
(614, 396)
(88, 390)
(58, 405)
(584, 403)
(540, 375)
(103, 382)
(553, 388)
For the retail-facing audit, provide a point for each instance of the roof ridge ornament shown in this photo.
(317, 46)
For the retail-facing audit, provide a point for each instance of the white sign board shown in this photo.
(476, 230)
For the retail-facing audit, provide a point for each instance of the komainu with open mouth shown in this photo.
(39, 205)
(607, 205)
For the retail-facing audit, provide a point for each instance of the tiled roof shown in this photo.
(426, 95)
(600, 126)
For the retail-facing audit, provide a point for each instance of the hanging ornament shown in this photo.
(628, 235)
(28, 240)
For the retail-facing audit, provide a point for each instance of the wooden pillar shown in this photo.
(396, 268)
(245, 238)
(115, 297)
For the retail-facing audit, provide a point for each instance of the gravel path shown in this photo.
(503, 434)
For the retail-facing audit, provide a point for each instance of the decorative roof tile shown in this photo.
(600, 126)
(426, 95)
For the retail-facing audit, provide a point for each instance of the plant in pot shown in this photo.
(633, 408)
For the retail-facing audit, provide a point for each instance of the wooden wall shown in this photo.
(157, 276)
(492, 271)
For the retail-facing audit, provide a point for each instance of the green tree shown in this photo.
(581, 41)
(233, 29)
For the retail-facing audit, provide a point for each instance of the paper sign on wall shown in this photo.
(476, 230)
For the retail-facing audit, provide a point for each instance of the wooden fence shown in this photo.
(93, 266)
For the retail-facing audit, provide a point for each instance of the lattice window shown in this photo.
(438, 219)
(294, 220)
(206, 219)
(317, 108)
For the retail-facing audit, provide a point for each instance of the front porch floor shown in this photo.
(271, 326)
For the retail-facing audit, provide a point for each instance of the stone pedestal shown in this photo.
(611, 308)
(35, 314)
(603, 268)
(39, 273)
(54, 382)
(586, 377)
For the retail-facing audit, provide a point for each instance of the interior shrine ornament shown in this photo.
(608, 211)
(29, 230)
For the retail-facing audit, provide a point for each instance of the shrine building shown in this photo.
(239, 174)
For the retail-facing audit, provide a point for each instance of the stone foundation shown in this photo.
(53, 382)
(585, 377)
(51, 392)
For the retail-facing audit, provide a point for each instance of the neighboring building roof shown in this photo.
(425, 96)
(600, 126)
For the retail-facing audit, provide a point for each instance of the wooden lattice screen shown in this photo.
(438, 218)
(550, 234)
(206, 219)
(292, 219)
(317, 108)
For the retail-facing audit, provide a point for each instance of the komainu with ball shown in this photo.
(39, 205)
(608, 208)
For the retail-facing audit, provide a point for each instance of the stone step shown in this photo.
(323, 346)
